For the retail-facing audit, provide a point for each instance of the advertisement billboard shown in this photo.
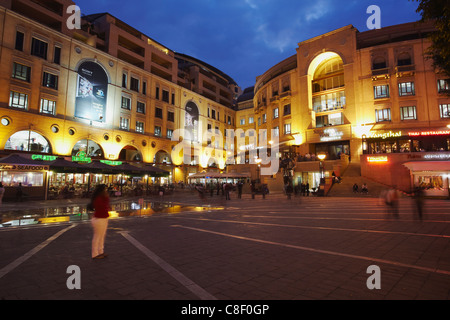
(91, 92)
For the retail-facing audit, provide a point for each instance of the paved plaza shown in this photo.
(241, 249)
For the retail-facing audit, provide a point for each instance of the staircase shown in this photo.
(351, 176)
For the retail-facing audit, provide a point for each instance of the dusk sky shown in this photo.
(244, 38)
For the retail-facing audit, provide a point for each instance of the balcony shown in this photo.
(404, 71)
(378, 74)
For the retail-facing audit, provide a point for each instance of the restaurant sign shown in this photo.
(81, 157)
(21, 167)
(385, 135)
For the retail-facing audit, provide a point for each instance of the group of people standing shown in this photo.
(224, 188)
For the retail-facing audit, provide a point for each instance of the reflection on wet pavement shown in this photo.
(79, 213)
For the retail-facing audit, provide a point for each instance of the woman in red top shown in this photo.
(100, 204)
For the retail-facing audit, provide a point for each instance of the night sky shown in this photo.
(244, 38)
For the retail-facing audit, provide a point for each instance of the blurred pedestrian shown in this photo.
(2, 192)
(100, 204)
(239, 186)
(227, 188)
(19, 193)
(392, 201)
(419, 200)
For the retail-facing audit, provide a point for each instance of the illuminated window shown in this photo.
(126, 103)
(91, 148)
(406, 89)
(242, 122)
(287, 128)
(139, 127)
(124, 123)
(18, 100)
(275, 113)
(444, 85)
(408, 113)
(444, 110)
(383, 115)
(140, 107)
(50, 81)
(158, 131)
(48, 106)
(251, 120)
(381, 91)
(21, 72)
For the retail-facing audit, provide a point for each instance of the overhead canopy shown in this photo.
(217, 175)
(428, 165)
(16, 159)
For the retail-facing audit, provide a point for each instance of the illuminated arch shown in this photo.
(90, 147)
(130, 153)
(28, 141)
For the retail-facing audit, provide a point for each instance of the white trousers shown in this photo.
(98, 241)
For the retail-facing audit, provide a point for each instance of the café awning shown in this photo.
(428, 165)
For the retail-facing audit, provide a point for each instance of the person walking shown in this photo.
(19, 193)
(392, 201)
(227, 191)
(240, 185)
(100, 204)
(2, 192)
(419, 200)
(307, 189)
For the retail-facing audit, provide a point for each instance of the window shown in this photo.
(444, 85)
(242, 122)
(19, 40)
(173, 99)
(21, 72)
(383, 115)
(381, 91)
(209, 127)
(259, 121)
(165, 96)
(134, 84)
(379, 63)
(140, 108)
(57, 55)
(404, 59)
(126, 103)
(39, 48)
(144, 88)
(408, 113)
(213, 114)
(287, 128)
(158, 131)
(18, 100)
(276, 131)
(275, 113)
(48, 106)
(334, 119)
(157, 93)
(169, 133)
(406, 89)
(251, 120)
(264, 118)
(124, 80)
(287, 110)
(124, 123)
(158, 113)
(139, 127)
(444, 109)
(229, 120)
(50, 81)
(170, 116)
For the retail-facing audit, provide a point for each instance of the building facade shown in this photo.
(105, 91)
(354, 96)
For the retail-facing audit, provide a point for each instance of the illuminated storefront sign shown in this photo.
(429, 133)
(81, 157)
(20, 167)
(43, 157)
(444, 156)
(111, 163)
(385, 135)
(331, 134)
(380, 159)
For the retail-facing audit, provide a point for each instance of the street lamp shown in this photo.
(321, 157)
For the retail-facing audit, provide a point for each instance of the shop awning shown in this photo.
(100, 167)
(153, 171)
(18, 160)
(64, 166)
(428, 165)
